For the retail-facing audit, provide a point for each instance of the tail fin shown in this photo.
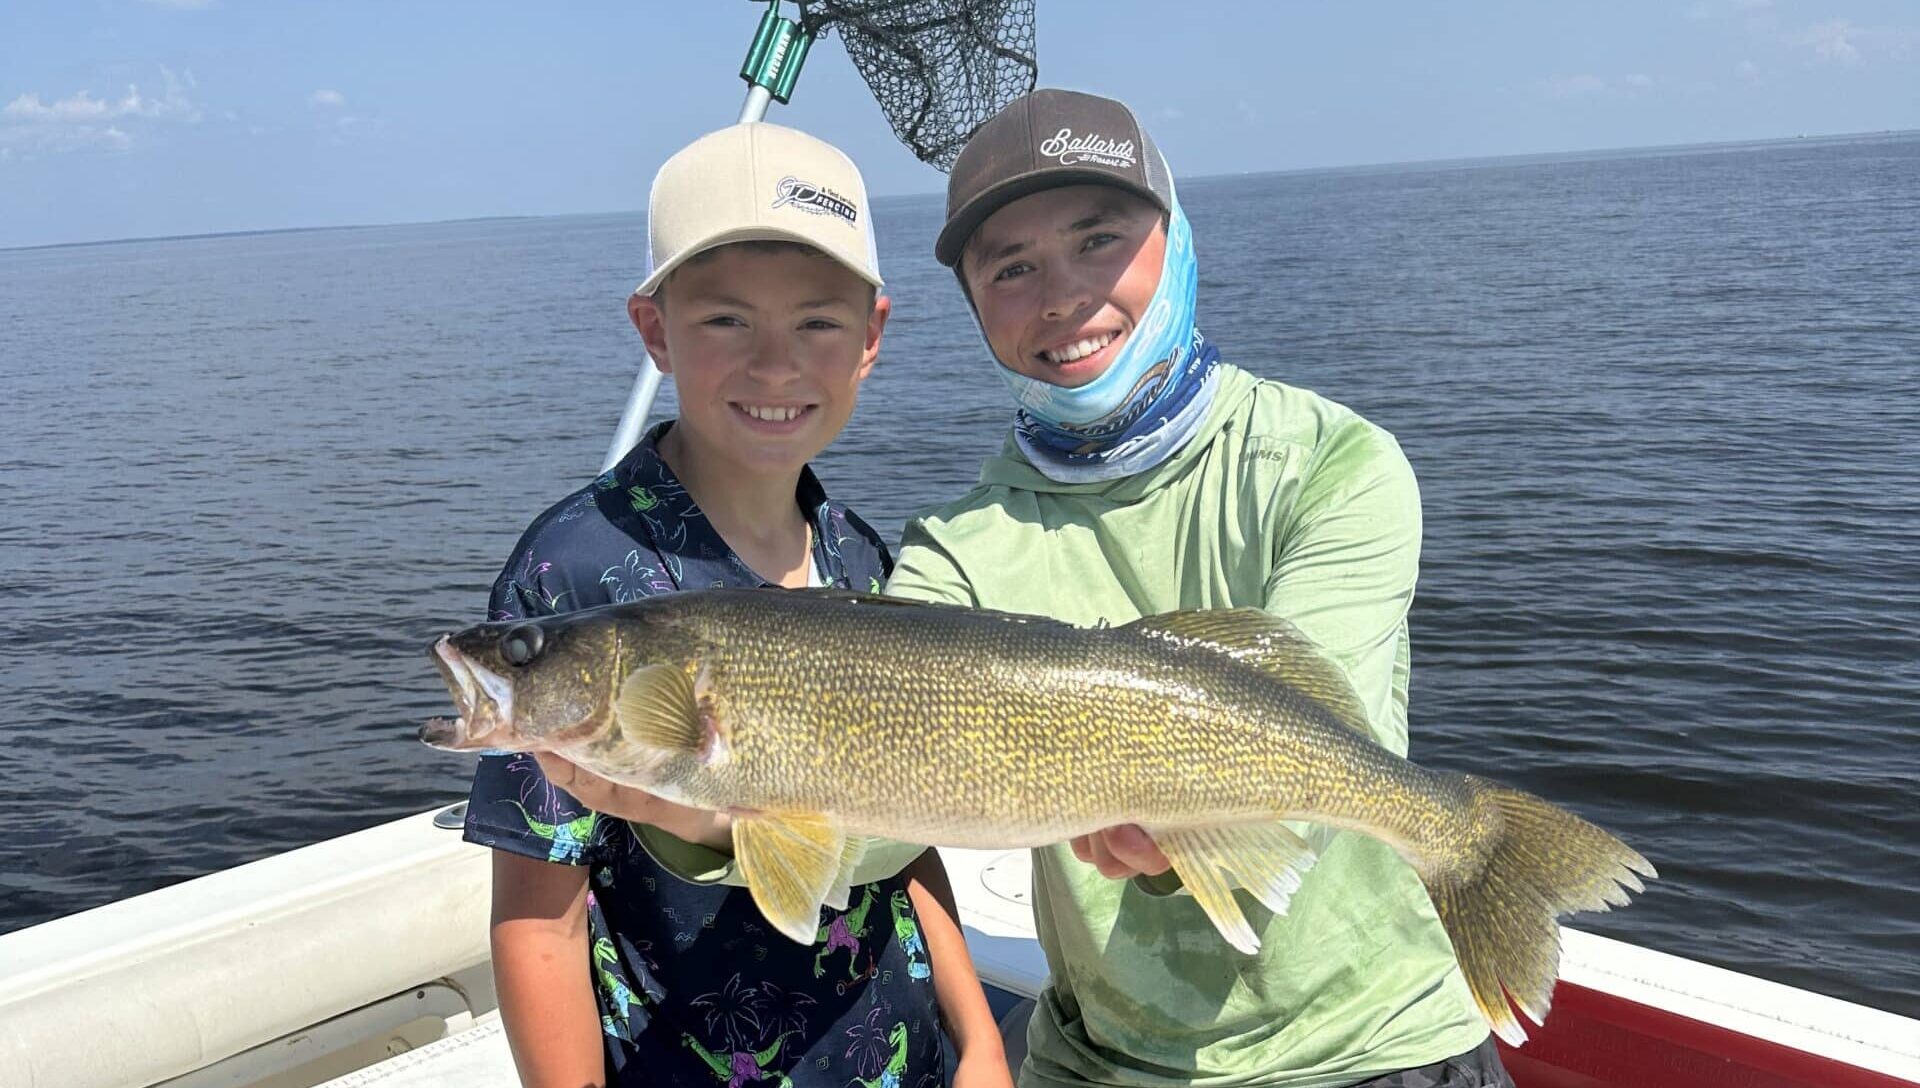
(1538, 861)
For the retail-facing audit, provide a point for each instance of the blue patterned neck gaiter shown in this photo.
(1146, 405)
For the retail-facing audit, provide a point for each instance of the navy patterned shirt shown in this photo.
(694, 987)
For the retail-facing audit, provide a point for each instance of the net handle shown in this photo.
(772, 67)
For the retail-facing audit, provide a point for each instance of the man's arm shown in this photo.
(540, 967)
(924, 571)
(1345, 560)
(1345, 563)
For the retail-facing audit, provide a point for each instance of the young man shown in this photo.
(1142, 475)
(762, 305)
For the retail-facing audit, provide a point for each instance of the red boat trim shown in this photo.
(1597, 1040)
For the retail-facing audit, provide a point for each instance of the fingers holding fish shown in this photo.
(609, 798)
(1121, 852)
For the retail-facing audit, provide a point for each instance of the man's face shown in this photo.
(767, 349)
(1060, 278)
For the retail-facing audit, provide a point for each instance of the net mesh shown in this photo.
(938, 68)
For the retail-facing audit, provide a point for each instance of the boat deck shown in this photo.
(992, 889)
(1624, 1015)
(376, 974)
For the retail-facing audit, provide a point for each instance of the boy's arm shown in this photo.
(963, 1003)
(694, 844)
(541, 970)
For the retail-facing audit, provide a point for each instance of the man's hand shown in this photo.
(1121, 852)
(695, 825)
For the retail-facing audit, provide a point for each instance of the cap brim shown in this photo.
(960, 227)
(750, 234)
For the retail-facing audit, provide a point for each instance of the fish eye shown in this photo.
(522, 644)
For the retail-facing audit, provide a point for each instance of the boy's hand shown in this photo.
(1121, 852)
(695, 825)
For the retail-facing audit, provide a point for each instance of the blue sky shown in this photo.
(125, 118)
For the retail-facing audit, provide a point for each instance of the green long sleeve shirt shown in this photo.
(1284, 501)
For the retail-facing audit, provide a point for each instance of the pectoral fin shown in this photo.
(790, 861)
(656, 708)
(1267, 860)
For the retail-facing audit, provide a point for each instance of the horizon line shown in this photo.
(1380, 165)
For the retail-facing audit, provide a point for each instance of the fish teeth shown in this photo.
(771, 413)
(1080, 349)
(499, 690)
(457, 665)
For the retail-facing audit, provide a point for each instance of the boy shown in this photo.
(1145, 475)
(762, 305)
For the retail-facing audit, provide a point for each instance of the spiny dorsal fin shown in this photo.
(1270, 644)
(843, 596)
(657, 709)
(790, 861)
(1267, 860)
(847, 596)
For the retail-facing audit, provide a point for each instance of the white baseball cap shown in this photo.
(756, 182)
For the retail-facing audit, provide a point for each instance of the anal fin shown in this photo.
(1267, 859)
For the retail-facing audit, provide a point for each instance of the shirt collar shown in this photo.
(642, 496)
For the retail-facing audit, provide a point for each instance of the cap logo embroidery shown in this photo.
(814, 199)
(1067, 149)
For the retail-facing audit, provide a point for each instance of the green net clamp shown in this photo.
(779, 49)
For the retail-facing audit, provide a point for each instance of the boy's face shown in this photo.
(767, 349)
(1060, 278)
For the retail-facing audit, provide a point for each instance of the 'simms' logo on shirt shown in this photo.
(814, 199)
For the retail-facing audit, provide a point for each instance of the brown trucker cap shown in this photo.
(1041, 141)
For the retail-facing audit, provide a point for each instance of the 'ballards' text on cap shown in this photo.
(815, 199)
(1067, 149)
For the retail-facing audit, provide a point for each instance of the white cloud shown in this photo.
(1830, 41)
(81, 121)
(1575, 86)
(52, 139)
(181, 5)
(1639, 81)
(1747, 70)
(83, 108)
(1840, 41)
(325, 97)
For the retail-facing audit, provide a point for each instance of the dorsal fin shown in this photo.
(848, 596)
(844, 596)
(1270, 644)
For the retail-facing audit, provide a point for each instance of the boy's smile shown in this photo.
(775, 418)
(1060, 279)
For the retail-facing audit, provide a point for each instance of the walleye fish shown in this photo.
(818, 718)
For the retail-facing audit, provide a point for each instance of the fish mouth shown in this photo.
(483, 698)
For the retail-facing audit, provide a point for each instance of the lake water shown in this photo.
(1664, 408)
